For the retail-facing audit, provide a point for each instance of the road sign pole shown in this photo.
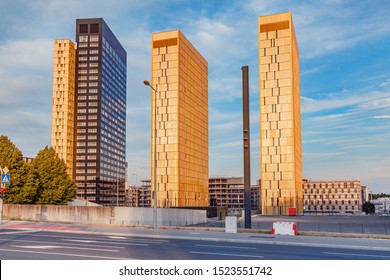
(3, 171)
(1, 199)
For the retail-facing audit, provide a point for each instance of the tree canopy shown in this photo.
(42, 181)
(368, 207)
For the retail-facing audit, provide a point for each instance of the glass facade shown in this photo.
(100, 114)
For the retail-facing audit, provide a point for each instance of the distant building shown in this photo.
(230, 192)
(333, 196)
(28, 159)
(382, 205)
(139, 196)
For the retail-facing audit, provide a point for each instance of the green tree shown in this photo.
(55, 185)
(43, 181)
(369, 208)
(12, 158)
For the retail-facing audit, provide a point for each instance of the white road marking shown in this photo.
(356, 255)
(63, 247)
(36, 247)
(223, 254)
(82, 241)
(101, 242)
(116, 237)
(48, 242)
(231, 247)
(24, 232)
(68, 255)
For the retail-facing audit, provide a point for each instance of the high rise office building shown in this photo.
(180, 77)
(100, 114)
(63, 106)
(280, 125)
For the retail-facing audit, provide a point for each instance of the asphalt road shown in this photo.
(64, 243)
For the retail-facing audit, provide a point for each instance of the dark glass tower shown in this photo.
(100, 169)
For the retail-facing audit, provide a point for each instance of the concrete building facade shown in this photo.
(180, 77)
(139, 196)
(344, 196)
(280, 125)
(230, 192)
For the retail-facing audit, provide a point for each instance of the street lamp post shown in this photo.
(136, 179)
(146, 82)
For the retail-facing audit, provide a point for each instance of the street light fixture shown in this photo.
(146, 82)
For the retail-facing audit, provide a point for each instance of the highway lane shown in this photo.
(44, 245)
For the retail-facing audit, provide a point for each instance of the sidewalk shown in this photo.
(205, 234)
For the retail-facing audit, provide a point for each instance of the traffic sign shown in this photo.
(5, 178)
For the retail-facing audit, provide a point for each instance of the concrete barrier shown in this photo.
(231, 224)
(284, 228)
(131, 216)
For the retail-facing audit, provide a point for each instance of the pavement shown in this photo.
(209, 234)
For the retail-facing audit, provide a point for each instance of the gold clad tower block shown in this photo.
(180, 76)
(63, 111)
(280, 122)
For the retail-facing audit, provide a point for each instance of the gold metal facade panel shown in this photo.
(64, 74)
(280, 132)
(181, 76)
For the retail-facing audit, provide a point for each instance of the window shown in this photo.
(94, 38)
(83, 39)
(83, 28)
(94, 28)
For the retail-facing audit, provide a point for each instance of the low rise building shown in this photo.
(382, 205)
(333, 196)
(139, 196)
(230, 192)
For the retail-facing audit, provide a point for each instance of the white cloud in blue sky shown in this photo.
(345, 76)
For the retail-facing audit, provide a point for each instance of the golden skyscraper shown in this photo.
(63, 119)
(180, 77)
(280, 122)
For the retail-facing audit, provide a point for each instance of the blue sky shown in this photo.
(345, 77)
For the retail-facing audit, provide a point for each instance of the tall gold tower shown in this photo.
(280, 123)
(63, 119)
(180, 77)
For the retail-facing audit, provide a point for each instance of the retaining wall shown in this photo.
(104, 215)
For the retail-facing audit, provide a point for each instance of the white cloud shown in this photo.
(367, 101)
(382, 117)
